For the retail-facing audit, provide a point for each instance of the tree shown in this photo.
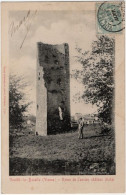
(97, 76)
(17, 105)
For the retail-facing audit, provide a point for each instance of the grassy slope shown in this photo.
(62, 154)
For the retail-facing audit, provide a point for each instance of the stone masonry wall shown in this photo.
(53, 89)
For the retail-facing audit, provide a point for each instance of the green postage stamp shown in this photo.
(110, 17)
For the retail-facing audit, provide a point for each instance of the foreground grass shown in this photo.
(63, 154)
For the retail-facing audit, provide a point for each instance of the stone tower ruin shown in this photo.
(53, 89)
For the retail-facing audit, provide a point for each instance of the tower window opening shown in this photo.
(54, 56)
(59, 81)
(56, 62)
(60, 113)
(46, 59)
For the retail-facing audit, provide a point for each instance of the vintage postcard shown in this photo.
(63, 97)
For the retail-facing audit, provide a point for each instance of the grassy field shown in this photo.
(63, 154)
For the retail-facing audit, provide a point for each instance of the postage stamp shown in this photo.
(110, 17)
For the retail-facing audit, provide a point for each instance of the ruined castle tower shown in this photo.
(53, 89)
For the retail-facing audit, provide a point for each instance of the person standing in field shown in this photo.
(80, 128)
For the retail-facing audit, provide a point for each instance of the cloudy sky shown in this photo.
(26, 28)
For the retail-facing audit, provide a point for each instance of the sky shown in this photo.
(26, 28)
